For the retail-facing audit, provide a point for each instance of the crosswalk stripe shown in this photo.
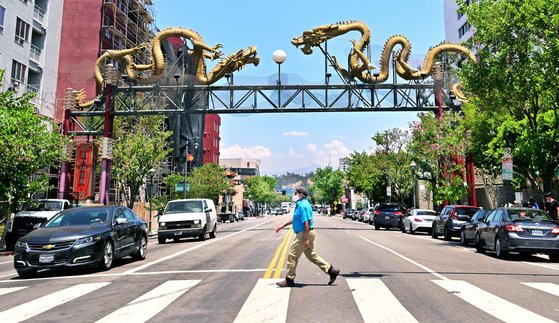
(550, 288)
(148, 305)
(28, 310)
(266, 303)
(376, 303)
(489, 303)
(7, 290)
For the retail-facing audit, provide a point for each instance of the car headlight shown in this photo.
(87, 240)
(21, 244)
(162, 224)
(196, 222)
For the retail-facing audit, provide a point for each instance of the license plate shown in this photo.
(537, 233)
(387, 217)
(429, 220)
(178, 233)
(46, 259)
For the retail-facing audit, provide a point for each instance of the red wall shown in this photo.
(79, 48)
(211, 138)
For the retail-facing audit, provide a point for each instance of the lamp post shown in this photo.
(413, 166)
(186, 162)
(151, 174)
(279, 57)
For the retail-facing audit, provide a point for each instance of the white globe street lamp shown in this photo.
(279, 57)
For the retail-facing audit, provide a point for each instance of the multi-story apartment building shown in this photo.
(456, 25)
(244, 167)
(90, 28)
(29, 49)
(211, 138)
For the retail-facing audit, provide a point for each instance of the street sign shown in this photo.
(388, 190)
(507, 173)
(179, 187)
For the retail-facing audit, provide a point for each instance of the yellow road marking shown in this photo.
(268, 273)
(281, 260)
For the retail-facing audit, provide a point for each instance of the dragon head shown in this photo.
(314, 37)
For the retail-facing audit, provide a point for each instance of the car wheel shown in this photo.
(202, 236)
(479, 245)
(386, 228)
(499, 252)
(552, 257)
(161, 240)
(27, 273)
(412, 231)
(142, 249)
(176, 239)
(377, 227)
(446, 234)
(434, 234)
(463, 237)
(107, 258)
(214, 231)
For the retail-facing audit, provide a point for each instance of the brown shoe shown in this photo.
(333, 273)
(286, 283)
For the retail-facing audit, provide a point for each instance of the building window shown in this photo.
(460, 15)
(24, 1)
(18, 71)
(464, 29)
(2, 12)
(22, 31)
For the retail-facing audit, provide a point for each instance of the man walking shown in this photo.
(551, 206)
(303, 226)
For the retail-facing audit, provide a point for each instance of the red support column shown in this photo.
(69, 103)
(107, 147)
(471, 178)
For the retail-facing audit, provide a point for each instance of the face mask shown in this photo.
(295, 198)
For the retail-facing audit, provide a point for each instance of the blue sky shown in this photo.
(293, 141)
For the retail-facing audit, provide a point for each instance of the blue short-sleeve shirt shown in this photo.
(302, 214)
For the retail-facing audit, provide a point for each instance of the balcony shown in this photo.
(39, 14)
(35, 54)
(33, 88)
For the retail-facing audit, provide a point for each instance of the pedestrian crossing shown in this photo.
(266, 302)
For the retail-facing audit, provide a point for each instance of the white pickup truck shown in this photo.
(187, 218)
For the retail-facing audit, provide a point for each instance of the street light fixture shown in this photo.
(279, 57)
(152, 172)
(413, 166)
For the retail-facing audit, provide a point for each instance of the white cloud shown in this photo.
(295, 133)
(236, 151)
(311, 147)
(291, 152)
(328, 154)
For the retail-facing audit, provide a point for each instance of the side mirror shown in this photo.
(36, 226)
(121, 221)
(208, 210)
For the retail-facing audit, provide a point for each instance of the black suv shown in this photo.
(388, 215)
(451, 220)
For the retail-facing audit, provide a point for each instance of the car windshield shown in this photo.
(44, 206)
(433, 213)
(389, 208)
(183, 207)
(529, 215)
(79, 217)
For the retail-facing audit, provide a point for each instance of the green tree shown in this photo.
(140, 144)
(328, 184)
(514, 85)
(260, 189)
(209, 182)
(28, 144)
(365, 176)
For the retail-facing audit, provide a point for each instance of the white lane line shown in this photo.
(406, 258)
(550, 288)
(548, 266)
(7, 290)
(6, 262)
(148, 305)
(266, 303)
(133, 270)
(209, 271)
(30, 309)
(489, 303)
(376, 303)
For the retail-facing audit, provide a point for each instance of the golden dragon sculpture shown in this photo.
(359, 65)
(154, 70)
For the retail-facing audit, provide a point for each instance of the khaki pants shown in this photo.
(298, 248)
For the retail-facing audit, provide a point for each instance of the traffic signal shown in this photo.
(190, 157)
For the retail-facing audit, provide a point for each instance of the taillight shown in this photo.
(377, 212)
(513, 228)
(398, 213)
(555, 230)
(417, 220)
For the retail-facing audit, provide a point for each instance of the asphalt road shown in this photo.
(385, 276)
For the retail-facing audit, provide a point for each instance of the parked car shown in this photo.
(366, 216)
(360, 213)
(388, 215)
(449, 222)
(371, 213)
(523, 230)
(187, 218)
(418, 220)
(469, 229)
(88, 236)
(347, 213)
(354, 215)
(240, 216)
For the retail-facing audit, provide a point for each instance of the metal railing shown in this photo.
(35, 53)
(39, 14)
